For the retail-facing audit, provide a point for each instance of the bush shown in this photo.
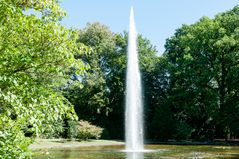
(13, 143)
(184, 130)
(52, 129)
(71, 129)
(86, 130)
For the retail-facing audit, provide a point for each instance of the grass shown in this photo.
(64, 143)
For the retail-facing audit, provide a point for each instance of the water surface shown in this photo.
(156, 152)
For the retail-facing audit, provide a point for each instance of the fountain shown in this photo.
(134, 107)
(134, 127)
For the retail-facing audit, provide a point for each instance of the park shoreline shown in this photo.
(39, 144)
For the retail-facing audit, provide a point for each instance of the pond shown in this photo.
(154, 152)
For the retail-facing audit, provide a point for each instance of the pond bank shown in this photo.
(219, 142)
(64, 143)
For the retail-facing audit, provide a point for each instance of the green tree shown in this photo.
(101, 100)
(203, 70)
(36, 54)
(116, 80)
(162, 121)
(91, 101)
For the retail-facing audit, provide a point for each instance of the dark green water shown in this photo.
(157, 152)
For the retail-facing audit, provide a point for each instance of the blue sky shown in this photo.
(155, 19)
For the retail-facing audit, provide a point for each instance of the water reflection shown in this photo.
(135, 155)
(152, 151)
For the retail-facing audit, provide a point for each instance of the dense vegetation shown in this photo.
(190, 92)
(202, 69)
(52, 76)
(36, 54)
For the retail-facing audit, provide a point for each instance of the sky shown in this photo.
(156, 20)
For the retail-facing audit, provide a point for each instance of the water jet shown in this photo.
(134, 107)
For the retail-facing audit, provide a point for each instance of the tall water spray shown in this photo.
(134, 108)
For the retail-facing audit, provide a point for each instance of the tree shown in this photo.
(203, 70)
(116, 80)
(36, 53)
(162, 120)
(101, 100)
(91, 101)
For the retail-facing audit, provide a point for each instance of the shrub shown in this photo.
(184, 130)
(86, 130)
(72, 129)
(13, 143)
(52, 129)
